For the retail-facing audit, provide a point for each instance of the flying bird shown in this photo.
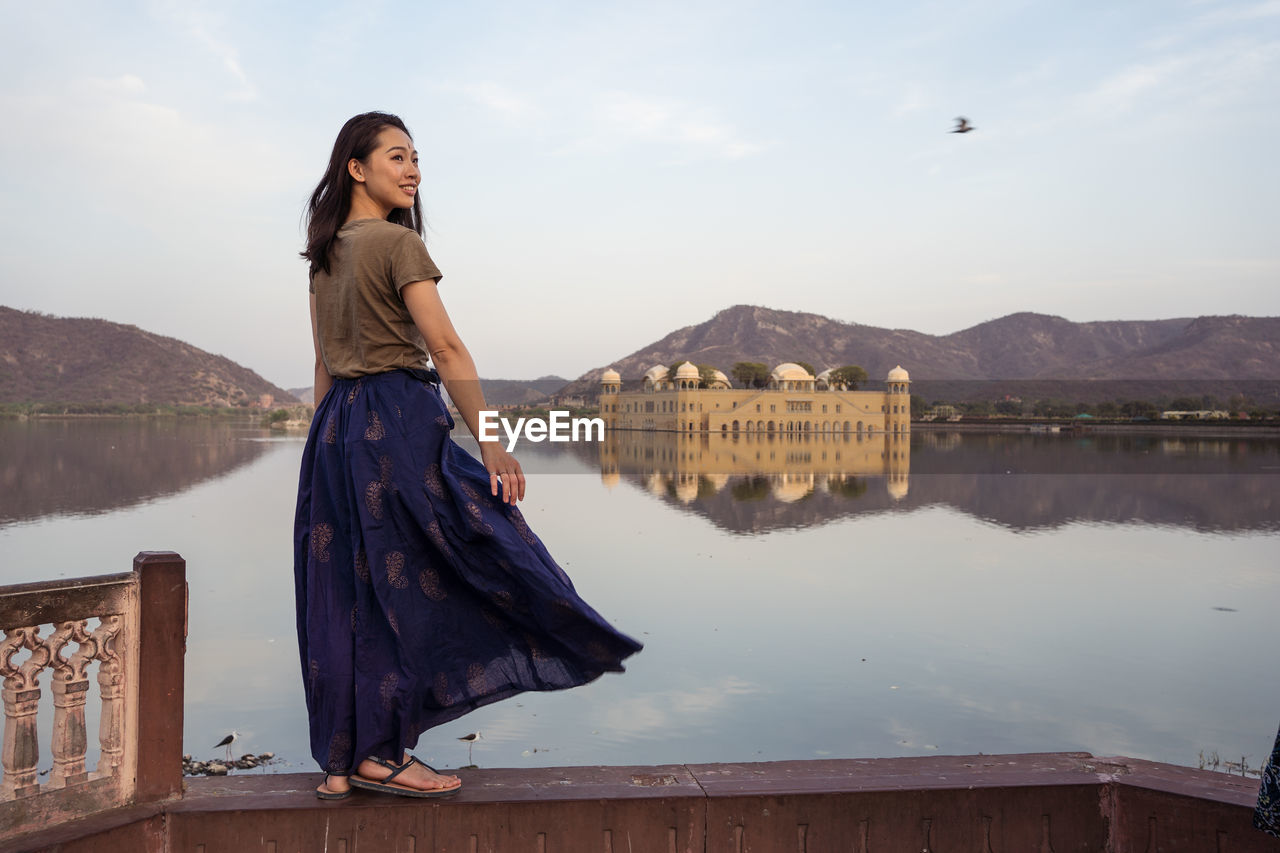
(227, 741)
(962, 125)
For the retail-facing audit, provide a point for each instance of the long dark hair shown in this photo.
(331, 201)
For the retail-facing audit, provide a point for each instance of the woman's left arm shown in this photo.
(458, 370)
(323, 379)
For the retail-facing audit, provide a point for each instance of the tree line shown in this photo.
(753, 374)
(1047, 407)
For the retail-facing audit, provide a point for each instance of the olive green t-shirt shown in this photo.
(361, 321)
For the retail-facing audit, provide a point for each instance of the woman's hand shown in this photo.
(501, 464)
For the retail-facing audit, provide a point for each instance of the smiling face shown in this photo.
(387, 179)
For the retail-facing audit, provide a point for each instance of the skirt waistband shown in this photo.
(428, 375)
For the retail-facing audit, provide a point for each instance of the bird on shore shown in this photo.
(227, 741)
(962, 125)
(470, 741)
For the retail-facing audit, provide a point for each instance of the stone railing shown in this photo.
(138, 643)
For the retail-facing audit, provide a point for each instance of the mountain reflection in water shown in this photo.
(751, 483)
(95, 465)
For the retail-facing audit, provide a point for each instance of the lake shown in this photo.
(836, 596)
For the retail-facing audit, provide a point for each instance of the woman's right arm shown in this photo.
(458, 371)
(323, 380)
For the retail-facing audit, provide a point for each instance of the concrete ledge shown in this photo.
(988, 804)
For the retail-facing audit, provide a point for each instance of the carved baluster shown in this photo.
(111, 684)
(70, 690)
(21, 701)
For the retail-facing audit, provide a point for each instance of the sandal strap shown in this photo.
(396, 769)
(413, 759)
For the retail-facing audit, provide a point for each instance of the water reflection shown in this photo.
(955, 634)
(92, 466)
(749, 483)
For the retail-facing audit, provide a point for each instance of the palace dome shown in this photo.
(790, 370)
(657, 373)
(610, 375)
(687, 371)
(718, 377)
(898, 375)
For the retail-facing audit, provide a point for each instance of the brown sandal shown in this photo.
(384, 785)
(331, 795)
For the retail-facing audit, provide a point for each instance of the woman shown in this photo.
(1266, 815)
(422, 594)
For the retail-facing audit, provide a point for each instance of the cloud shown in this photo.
(612, 119)
(126, 85)
(1185, 85)
(140, 157)
(203, 28)
(1120, 92)
(231, 62)
(912, 101)
(1254, 12)
(501, 100)
(624, 117)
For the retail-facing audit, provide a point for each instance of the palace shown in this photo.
(794, 401)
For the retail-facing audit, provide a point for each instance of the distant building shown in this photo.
(793, 402)
(1199, 415)
(942, 412)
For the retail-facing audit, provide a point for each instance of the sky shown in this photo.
(596, 174)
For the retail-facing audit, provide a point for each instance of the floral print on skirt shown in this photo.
(420, 596)
(1267, 815)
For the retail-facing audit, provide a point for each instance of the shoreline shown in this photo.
(124, 416)
(1191, 429)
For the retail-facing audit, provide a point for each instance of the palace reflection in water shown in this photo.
(706, 470)
(747, 483)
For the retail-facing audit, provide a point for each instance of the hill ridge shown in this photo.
(1024, 345)
(88, 360)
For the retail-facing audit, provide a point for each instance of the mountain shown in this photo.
(45, 359)
(520, 392)
(497, 392)
(1041, 352)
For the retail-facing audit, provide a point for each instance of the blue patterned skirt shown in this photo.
(420, 596)
(1267, 815)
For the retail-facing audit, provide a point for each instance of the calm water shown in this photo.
(838, 598)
